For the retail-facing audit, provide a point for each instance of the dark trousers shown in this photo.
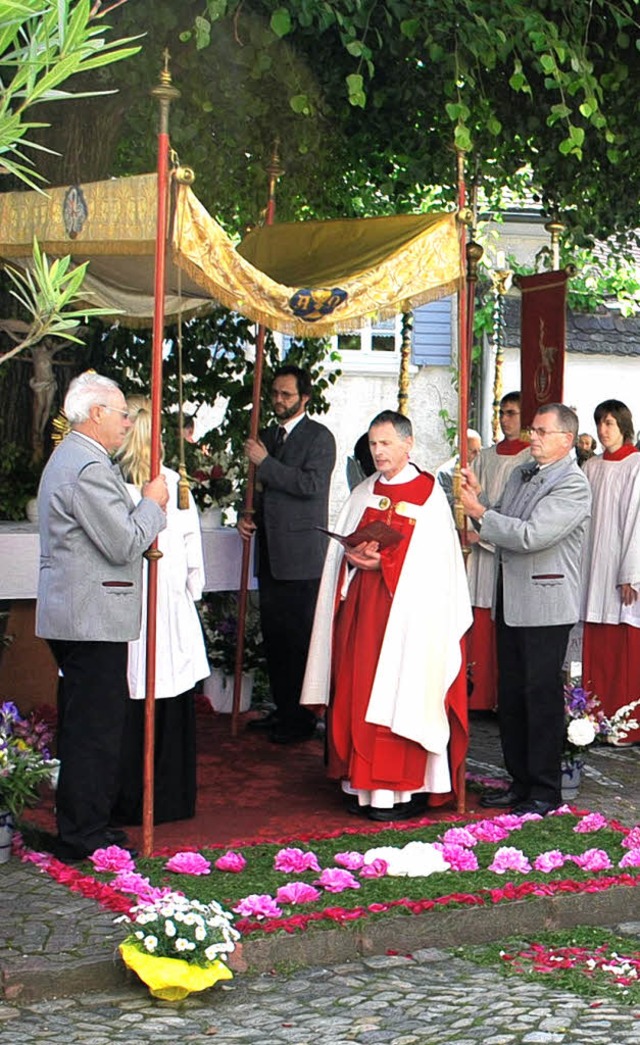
(92, 701)
(531, 706)
(286, 617)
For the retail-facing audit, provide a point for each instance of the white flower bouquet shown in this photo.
(179, 945)
(586, 722)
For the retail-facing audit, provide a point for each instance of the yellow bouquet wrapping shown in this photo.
(172, 978)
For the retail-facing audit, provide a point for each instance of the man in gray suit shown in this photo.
(294, 460)
(538, 529)
(89, 603)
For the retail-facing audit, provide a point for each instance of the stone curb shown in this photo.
(36, 978)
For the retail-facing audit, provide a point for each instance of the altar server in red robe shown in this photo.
(611, 565)
(493, 466)
(385, 652)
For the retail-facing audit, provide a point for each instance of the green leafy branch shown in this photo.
(46, 293)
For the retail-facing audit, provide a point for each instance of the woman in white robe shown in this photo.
(181, 658)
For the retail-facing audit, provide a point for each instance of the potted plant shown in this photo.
(214, 485)
(219, 616)
(179, 945)
(25, 764)
(585, 723)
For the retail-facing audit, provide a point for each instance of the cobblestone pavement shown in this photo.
(54, 943)
(426, 1000)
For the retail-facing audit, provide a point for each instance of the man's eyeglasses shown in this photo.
(116, 410)
(541, 432)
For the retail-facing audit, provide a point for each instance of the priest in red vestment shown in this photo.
(386, 648)
(611, 565)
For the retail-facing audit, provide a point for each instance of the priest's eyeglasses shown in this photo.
(541, 432)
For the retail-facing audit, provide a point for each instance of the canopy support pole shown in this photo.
(165, 93)
(405, 360)
(274, 171)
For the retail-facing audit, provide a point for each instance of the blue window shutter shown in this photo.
(286, 345)
(432, 334)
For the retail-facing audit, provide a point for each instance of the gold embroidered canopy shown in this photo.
(310, 279)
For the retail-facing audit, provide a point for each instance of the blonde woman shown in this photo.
(181, 658)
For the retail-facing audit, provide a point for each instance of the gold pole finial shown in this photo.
(555, 228)
(164, 90)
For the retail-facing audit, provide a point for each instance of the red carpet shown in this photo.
(251, 790)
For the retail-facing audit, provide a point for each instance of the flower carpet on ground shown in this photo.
(290, 885)
(589, 961)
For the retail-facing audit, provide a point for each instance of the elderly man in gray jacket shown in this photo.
(537, 528)
(89, 603)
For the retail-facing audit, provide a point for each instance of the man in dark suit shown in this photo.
(294, 460)
(92, 538)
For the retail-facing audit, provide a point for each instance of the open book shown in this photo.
(377, 530)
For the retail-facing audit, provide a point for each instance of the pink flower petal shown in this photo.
(352, 861)
(509, 859)
(376, 869)
(458, 857)
(188, 863)
(297, 892)
(631, 858)
(230, 861)
(258, 905)
(549, 861)
(335, 880)
(113, 858)
(295, 861)
(460, 836)
(592, 822)
(593, 860)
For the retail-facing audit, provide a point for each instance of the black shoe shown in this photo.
(534, 805)
(353, 806)
(292, 736)
(400, 811)
(264, 723)
(500, 799)
(114, 836)
(71, 854)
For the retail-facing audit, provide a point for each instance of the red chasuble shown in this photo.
(371, 757)
(511, 447)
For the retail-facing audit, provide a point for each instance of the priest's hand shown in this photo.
(365, 556)
(255, 450)
(628, 594)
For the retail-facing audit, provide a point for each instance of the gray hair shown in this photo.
(87, 390)
(567, 418)
(401, 423)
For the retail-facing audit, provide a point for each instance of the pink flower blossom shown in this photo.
(488, 831)
(113, 858)
(592, 822)
(632, 840)
(509, 821)
(631, 858)
(297, 892)
(130, 882)
(459, 836)
(295, 861)
(507, 858)
(188, 863)
(258, 905)
(549, 861)
(335, 880)
(234, 862)
(593, 860)
(352, 861)
(376, 869)
(458, 856)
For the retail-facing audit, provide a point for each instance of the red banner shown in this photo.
(542, 340)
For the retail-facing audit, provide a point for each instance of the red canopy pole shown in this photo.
(463, 404)
(165, 93)
(274, 171)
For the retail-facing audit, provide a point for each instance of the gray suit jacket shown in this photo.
(294, 499)
(91, 544)
(538, 528)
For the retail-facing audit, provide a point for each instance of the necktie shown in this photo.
(280, 437)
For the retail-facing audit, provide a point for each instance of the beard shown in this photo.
(284, 413)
